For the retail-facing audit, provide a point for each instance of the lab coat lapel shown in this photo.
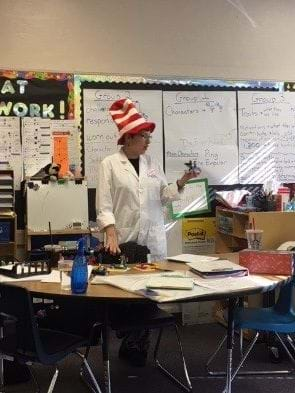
(142, 167)
(128, 167)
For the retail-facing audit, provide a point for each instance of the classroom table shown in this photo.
(109, 295)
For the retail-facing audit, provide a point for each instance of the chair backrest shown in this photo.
(17, 322)
(286, 300)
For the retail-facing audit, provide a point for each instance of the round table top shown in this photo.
(104, 293)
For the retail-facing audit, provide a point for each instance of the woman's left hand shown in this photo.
(188, 175)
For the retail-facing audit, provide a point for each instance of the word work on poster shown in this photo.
(38, 147)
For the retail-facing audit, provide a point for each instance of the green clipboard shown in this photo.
(194, 200)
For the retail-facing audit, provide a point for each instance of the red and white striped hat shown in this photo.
(128, 119)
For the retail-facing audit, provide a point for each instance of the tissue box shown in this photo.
(267, 262)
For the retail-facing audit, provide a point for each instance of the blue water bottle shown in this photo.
(79, 276)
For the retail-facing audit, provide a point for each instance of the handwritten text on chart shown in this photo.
(266, 136)
(100, 131)
(202, 126)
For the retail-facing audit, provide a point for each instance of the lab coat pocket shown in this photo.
(157, 243)
(153, 184)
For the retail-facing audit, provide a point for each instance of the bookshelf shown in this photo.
(7, 214)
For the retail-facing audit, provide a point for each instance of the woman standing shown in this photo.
(132, 188)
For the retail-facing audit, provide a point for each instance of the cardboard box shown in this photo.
(267, 262)
(197, 313)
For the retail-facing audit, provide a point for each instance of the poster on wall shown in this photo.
(198, 235)
(101, 133)
(10, 147)
(35, 105)
(266, 137)
(38, 147)
(201, 126)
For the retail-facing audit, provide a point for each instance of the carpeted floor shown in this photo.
(199, 342)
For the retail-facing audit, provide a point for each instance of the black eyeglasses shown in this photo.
(146, 136)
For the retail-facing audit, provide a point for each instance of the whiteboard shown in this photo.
(266, 137)
(201, 126)
(101, 133)
(59, 204)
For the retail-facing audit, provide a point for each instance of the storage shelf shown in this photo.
(69, 232)
(7, 214)
(278, 227)
(59, 232)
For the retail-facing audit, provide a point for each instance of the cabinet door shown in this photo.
(7, 235)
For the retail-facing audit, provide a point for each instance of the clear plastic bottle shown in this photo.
(79, 276)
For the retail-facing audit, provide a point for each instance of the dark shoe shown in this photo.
(134, 348)
(134, 357)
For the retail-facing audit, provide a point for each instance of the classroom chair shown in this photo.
(153, 318)
(21, 338)
(278, 319)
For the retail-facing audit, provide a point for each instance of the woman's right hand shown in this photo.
(111, 243)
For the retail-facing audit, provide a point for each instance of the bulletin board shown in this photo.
(60, 204)
(195, 121)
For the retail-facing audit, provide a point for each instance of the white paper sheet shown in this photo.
(187, 258)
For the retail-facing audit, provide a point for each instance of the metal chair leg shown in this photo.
(1, 374)
(92, 384)
(188, 387)
(213, 356)
(286, 348)
(241, 343)
(34, 377)
(53, 381)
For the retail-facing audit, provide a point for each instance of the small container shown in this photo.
(254, 238)
(285, 196)
(65, 269)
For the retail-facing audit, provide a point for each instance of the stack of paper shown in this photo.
(218, 268)
(165, 282)
(191, 258)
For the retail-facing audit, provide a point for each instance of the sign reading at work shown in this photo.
(194, 200)
(201, 126)
(101, 133)
(266, 137)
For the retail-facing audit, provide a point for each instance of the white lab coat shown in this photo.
(134, 204)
